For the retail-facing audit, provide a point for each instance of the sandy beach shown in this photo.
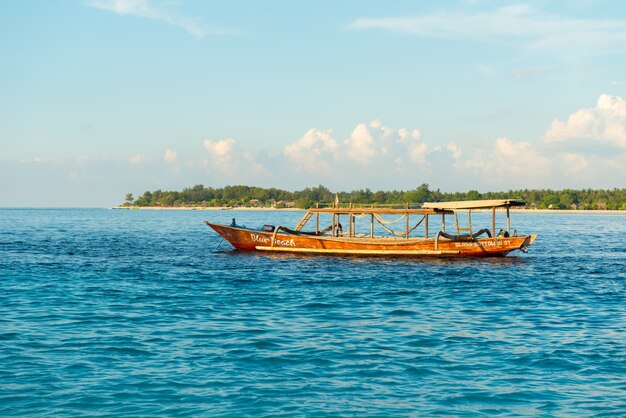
(213, 208)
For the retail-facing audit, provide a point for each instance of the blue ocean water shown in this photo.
(141, 313)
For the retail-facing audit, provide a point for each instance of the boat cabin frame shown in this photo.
(427, 210)
(334, 240)
(470, 205)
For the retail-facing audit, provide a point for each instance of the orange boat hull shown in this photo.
(255, 240)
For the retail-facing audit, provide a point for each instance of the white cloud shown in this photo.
(170, 156)
(510, 162)
(222, 149)
(398, 164)
(405, 134)
(223, 154)
(137, 159)
(229, 160)
(376, 124)
(452, 24)
(80, 160)
(455, 151)
(314, 151)
(603, 124)
(535, 28)
(376, 154)
(369, 145)
(574, 163)
(418, 152)
(372, 155)
(522, 73)
(361, 146)
(398, 159)
(148, 10)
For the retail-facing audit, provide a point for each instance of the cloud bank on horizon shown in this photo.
(590, 145)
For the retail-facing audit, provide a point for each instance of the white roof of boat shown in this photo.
(473, 204)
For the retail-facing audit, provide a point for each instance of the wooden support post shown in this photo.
(508, 221)
(443, 222)
(332, 226)
(351, 220)
(372, 225)
(339, 223)
(407, 224)
(317, 223)
(426, 220)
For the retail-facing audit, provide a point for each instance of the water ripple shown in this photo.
(128, 313)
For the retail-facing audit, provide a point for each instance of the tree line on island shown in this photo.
(249, 196)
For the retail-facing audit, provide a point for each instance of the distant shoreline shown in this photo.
(269, 209)
(210, 208)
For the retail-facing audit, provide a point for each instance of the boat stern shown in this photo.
(528, 241)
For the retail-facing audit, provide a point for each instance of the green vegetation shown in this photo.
(246, 196)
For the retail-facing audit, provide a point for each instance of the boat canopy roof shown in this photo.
(473, 204)
(376, 210)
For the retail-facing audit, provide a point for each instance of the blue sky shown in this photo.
(100, 98)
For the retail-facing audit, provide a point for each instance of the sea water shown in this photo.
(142, 313)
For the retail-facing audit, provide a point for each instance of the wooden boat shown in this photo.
(463, 241)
